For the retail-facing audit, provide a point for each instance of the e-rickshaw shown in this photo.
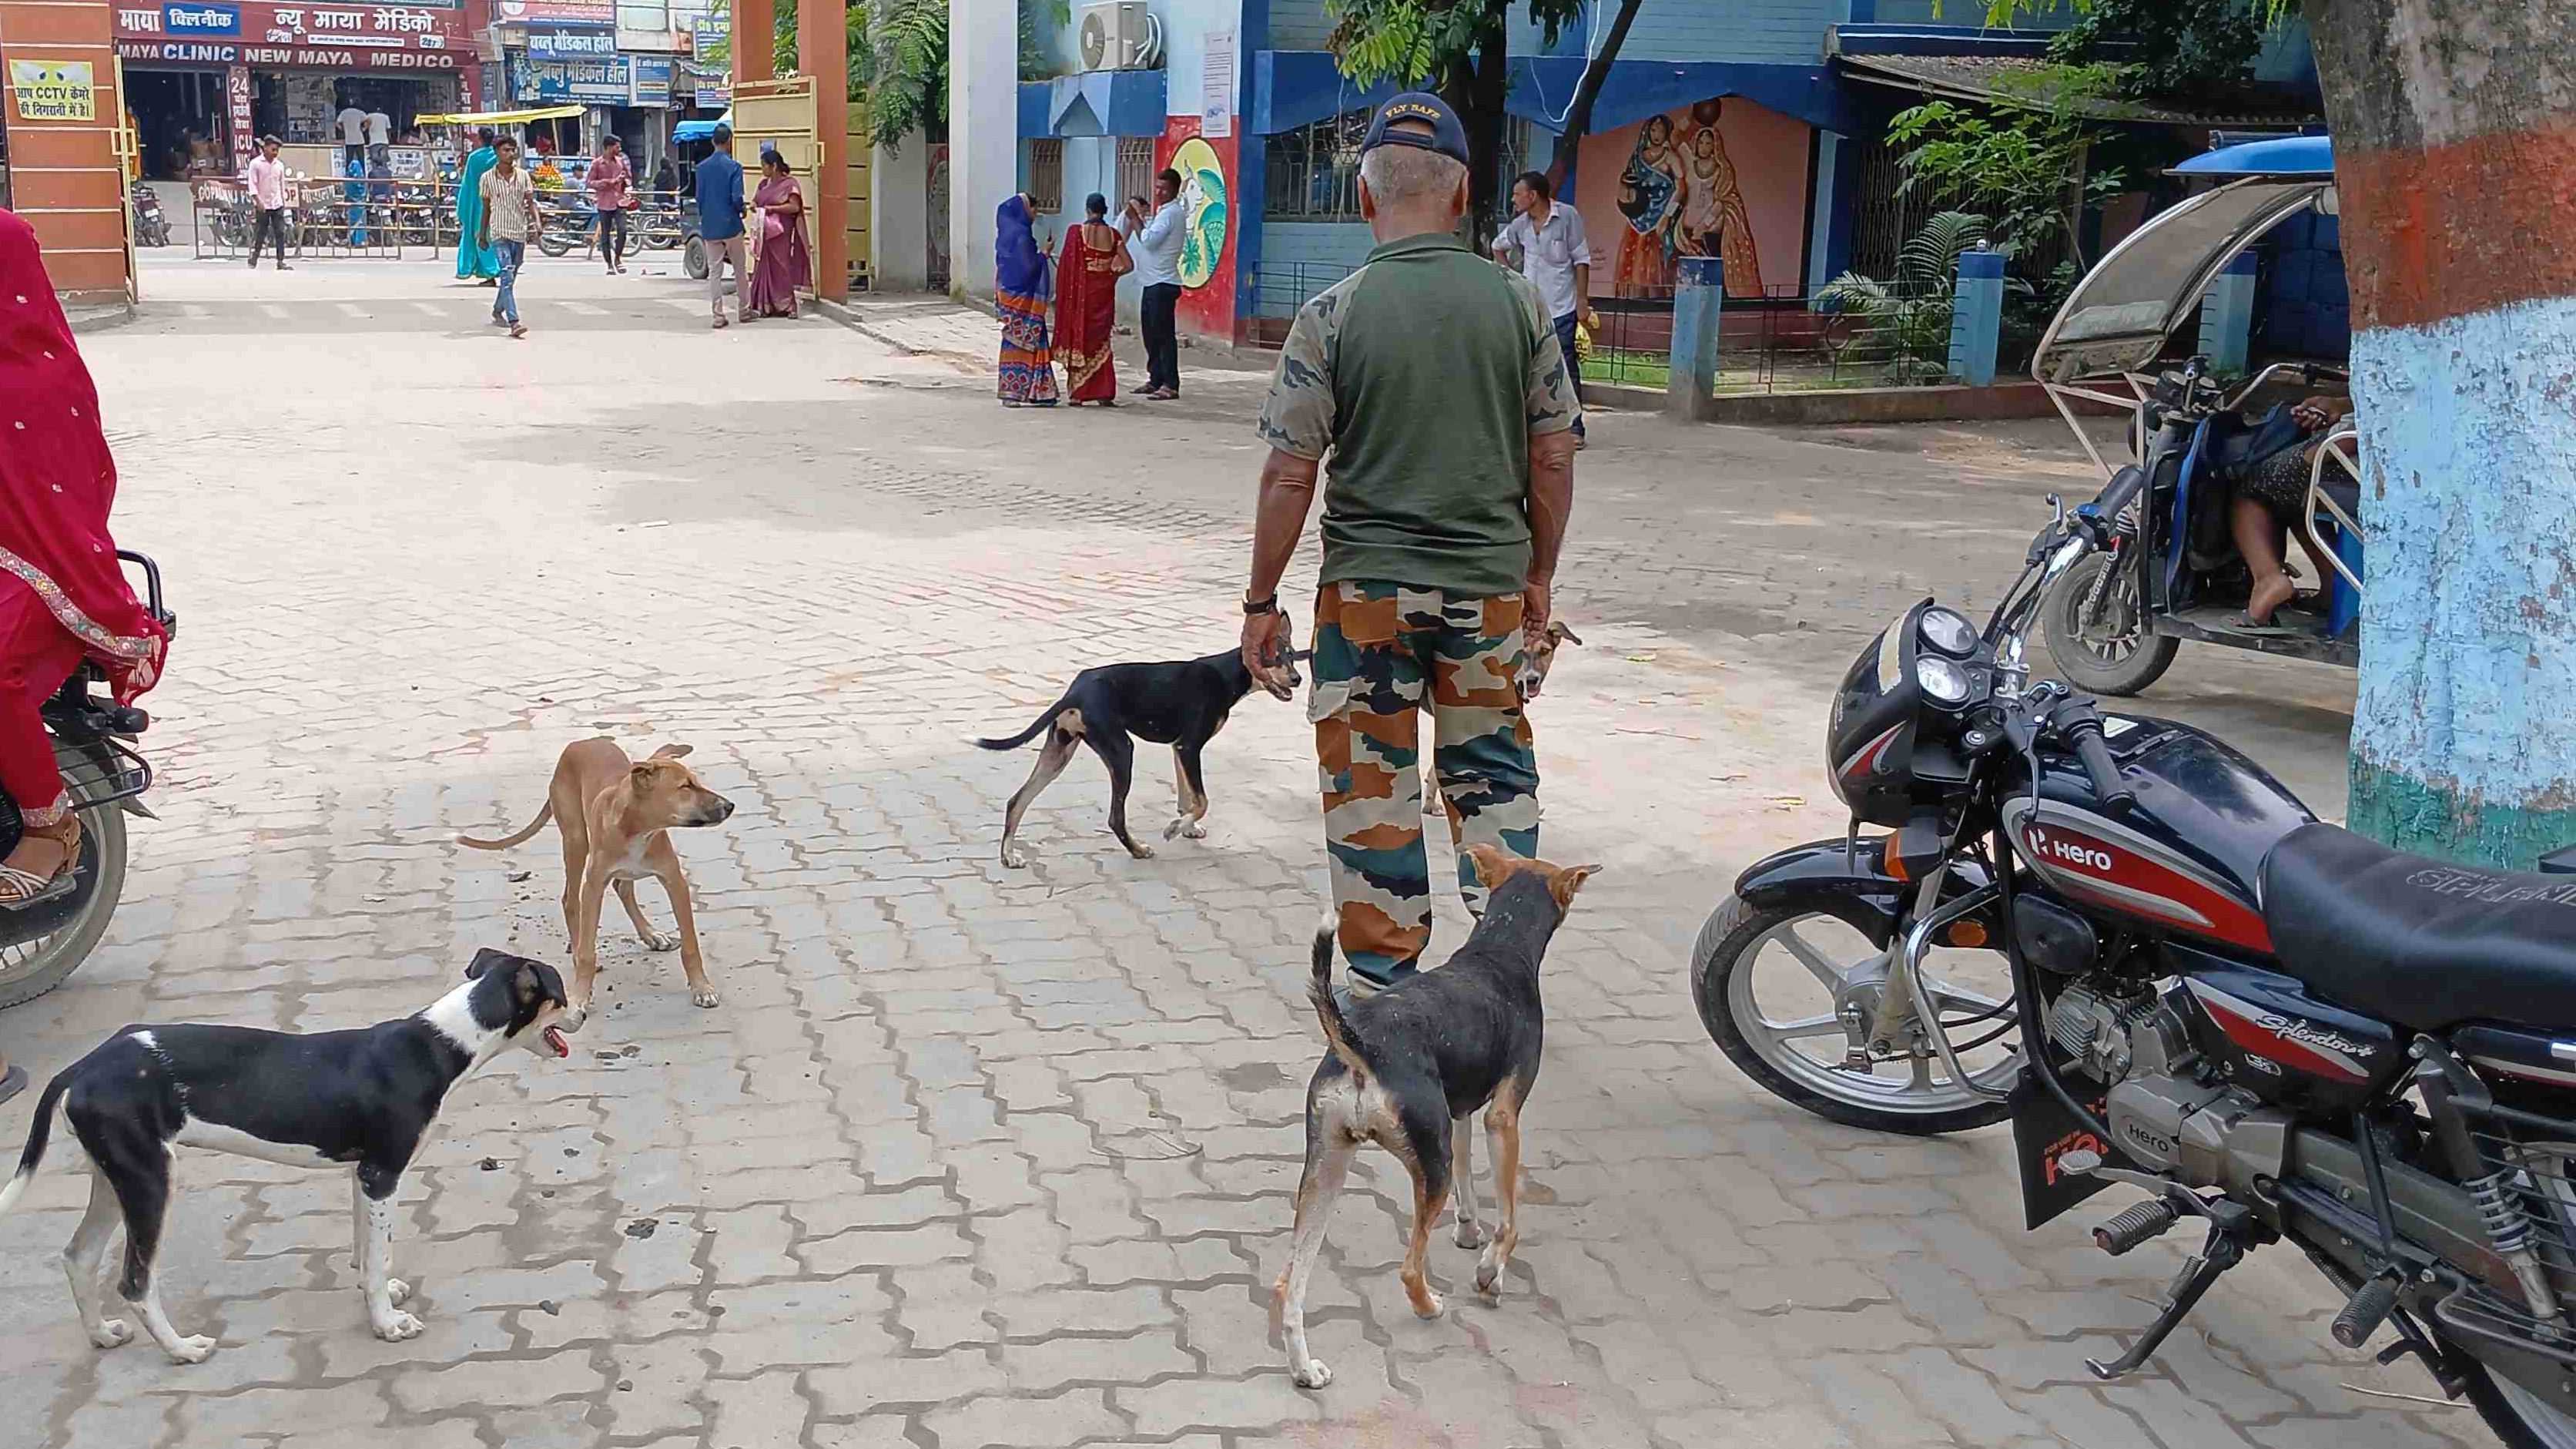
(2115, 621)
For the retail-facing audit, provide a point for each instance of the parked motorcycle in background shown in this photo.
(151, 228)
(48, 938)
(2141, 949)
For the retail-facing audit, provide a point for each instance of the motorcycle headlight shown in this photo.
(1950, 633)
(1943, 681)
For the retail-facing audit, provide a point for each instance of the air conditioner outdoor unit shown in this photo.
(1121, 35)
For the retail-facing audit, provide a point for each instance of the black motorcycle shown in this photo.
(151, 227)
(2191, 987)
(46, 939)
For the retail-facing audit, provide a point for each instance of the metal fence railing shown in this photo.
(1878, 335)
(384, 219)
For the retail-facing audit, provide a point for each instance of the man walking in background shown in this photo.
(267, 177)
(1433, 381)
(608, 178)
(509, 219)
(1156, 249)
(720, 213)
(1547, 243)
(352, 124)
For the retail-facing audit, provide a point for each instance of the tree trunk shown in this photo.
(1475, 90)
(1578, 116)
(2454, 127)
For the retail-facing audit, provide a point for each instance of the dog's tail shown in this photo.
(506, 842)
(1337, 1027)
(1036, 728)
(36, 1134)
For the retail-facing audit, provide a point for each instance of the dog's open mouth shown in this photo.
(555, 1039)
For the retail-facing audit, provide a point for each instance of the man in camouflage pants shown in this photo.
(1434, 382)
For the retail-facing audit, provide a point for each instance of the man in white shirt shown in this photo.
(380, 134)
(353, 132)
(267, 177)
(1156, 249)
(1548, 245)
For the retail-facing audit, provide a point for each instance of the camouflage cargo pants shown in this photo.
(1384, 653)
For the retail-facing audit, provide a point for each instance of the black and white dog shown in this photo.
(362, 1099)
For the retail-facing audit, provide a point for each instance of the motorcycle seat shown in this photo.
(2418, 941)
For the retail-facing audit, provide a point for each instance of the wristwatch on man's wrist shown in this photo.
(1254, 608)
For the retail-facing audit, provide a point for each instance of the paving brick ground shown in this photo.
(975, 1157)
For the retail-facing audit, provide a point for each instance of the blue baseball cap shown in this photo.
(1446, 136)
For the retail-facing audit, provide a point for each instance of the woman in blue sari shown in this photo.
(1020, 293)
(473, 260)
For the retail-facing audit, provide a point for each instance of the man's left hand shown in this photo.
(1537, 608)
(1267, 642)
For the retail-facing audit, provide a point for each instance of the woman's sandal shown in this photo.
(20, 889)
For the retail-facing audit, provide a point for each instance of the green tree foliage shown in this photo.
(2183, 48)
(899, 59)
(2020, 163)
(1904, 325)
(1457, 47)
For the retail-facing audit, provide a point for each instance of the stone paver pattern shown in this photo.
(981, 1157)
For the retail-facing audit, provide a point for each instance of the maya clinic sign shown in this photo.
(54, 90)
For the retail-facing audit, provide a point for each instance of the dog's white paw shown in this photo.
(706, 998)
(196, 1348)
(396, 1290)
(1489, 1277)
(1013, 860)
(1192, 830)
(394, 1328)
(655, 941)
(1141, 852)
(1429, 1305)
(1173, 830)
(113, 1333)
(1313, 1375)
(1470, 1235)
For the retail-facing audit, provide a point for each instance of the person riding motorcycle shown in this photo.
(63, 596)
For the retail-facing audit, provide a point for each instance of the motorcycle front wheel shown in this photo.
(2098, 634)
(29, 969)
(1750, 960)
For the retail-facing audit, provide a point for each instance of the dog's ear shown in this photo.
(484, 960)
(1564, 883)
(677, 752)
(1491, 864)
(641, 776)
(1563, 635)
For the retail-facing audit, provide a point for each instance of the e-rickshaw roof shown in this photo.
(2118, 317)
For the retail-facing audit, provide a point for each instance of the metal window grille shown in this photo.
(1046, 176)
(1314, 171)
(1135, 171)
(1881, 219)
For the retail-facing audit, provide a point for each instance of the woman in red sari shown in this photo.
(1086, 305)
(63, 597)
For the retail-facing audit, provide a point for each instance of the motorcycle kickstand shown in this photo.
(2222, 1251)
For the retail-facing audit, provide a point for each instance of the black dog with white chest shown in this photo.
(361, 1099)
(1182, 704)
(1409, 1069)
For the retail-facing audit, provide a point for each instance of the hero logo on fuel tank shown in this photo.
(2073, 852)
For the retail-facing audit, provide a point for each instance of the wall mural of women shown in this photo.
(1652, 196)
(1714, 222)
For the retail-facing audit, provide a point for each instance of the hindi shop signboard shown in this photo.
(605, 81)
(426, 36)
(558, 43)
(599, 13)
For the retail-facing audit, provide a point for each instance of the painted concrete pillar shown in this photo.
(1699, 304)
(2227, 315)
(899, 215)
(983, 134)
(823, 52)
(65, 179)
(1977, 317)
(755, 41)
(2456, 175)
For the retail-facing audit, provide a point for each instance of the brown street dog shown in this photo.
(1409, 1069)
(615, 815)
(1533, 676)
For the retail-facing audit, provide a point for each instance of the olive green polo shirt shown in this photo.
(1420, 379)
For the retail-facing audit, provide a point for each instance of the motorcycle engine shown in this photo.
(2159, 1110)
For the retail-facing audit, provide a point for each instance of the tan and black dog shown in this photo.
(615, 815)
(1535, 664)
(1409, 1069)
